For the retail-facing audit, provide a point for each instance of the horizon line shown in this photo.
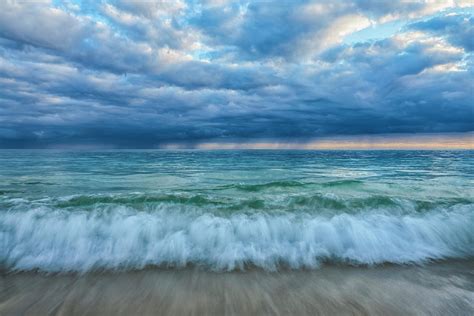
(452, 141)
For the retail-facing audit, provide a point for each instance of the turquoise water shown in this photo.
(225, 210)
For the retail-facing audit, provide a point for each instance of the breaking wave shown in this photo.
(121, 237)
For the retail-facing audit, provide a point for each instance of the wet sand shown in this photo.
(445, 288)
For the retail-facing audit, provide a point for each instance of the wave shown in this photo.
(342, 183)
(137, 200)
(58, 240)
(263, 186)
(314, 201)
(355, 204)
(90, 200)
(289, 184)
(5, 192)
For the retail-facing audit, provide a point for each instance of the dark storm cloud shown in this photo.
(144, 74)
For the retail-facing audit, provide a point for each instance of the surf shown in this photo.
(124, 238)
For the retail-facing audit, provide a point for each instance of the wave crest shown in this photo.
(57, 240)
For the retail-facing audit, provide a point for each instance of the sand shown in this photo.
(445, 288)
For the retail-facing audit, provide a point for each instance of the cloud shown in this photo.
(457, 28)
(145, 74)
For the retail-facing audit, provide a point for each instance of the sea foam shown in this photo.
(123, 238)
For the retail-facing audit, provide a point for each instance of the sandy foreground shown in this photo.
(445, 288)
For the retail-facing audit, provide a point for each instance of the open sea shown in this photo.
(82, 211)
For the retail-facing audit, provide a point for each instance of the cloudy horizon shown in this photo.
(158, 74)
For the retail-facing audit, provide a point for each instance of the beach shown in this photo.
(443, 288)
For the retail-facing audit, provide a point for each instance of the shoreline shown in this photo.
(445, 287)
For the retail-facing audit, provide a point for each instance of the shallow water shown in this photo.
(226, 210)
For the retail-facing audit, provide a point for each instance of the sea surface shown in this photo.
(81, 211)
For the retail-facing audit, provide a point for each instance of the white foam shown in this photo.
(124, 238)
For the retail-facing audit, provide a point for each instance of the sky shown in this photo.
(219, 74)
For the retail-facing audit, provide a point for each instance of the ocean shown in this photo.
(127, 210)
